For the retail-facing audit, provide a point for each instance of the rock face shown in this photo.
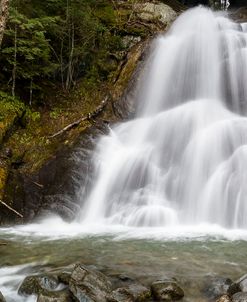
(88, 285)
(2, 298)
(167, 290)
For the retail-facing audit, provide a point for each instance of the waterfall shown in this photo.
(183, 159)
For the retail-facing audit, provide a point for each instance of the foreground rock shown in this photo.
(242, 283)
(131, 293)
(239, 297)
(220, 287)
(35, 285)
(167, 290)
(59, 296)
(88, 285)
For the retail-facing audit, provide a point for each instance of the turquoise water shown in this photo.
(193, 261)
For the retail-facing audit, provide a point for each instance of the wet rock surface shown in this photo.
(2, 298)
(239, 297)
(134, 292)
(89, 285)
(34, 285)
(221, 286)
(59, 296)
(242, 283)
(167, 290)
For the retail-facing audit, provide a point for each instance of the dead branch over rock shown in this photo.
(90, 115)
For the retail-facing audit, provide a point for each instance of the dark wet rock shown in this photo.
(242, 283)
(134, 292)
(58, 296)
(88, 285)
(167, 290)
(224, 298)
(2, 298)
(239, 297)
(37, 284)
(221, 286)
(54, 189)
(64, 277)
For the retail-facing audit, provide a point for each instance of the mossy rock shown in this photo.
(3, 178)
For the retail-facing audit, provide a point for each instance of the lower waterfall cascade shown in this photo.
(183, 159)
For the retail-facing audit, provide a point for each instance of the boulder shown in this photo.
(167, 290)
(220, 287)
(155, 12)
(239, 297)
(242, 283)
(58, 296)
(89, 285)
(34, 285)
(132, 293)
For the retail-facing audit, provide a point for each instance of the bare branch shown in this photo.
(10, 208)
(90, 115)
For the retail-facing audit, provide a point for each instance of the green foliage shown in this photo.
(59, 41)
(10, 104)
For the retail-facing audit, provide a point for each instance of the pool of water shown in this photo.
(193, 260)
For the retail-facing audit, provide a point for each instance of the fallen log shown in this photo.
(76, 123)
(10, 208)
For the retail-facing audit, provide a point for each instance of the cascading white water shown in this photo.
(183, 159)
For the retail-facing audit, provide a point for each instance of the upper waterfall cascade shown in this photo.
(183, 159)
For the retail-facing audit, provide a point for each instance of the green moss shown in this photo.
(3, 178)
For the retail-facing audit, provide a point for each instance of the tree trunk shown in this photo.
(70, 67)
(14, 65)
(4, 10)
(31, 92)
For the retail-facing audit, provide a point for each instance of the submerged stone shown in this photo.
(132, 293)
(167, 290)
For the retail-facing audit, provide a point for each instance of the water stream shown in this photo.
(169, 196)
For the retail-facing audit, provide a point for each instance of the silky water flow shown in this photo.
(183, 159)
